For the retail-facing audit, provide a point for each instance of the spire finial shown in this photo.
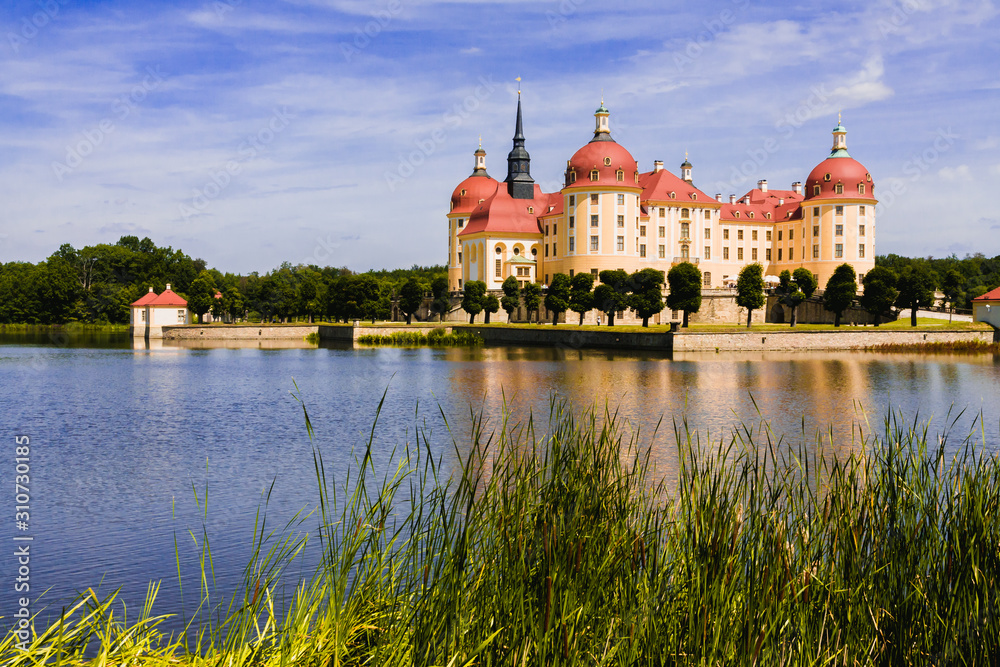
(839, 114)
(685, 155)
(480, 140)
(518, 86)
(602, 97)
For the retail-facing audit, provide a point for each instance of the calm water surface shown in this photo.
(123, 439)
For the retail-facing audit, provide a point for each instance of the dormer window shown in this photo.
(816, 191)
(594, 175)
(768, 215)
(620, 175)
(673, 195)
(868, 177)
(750, 214)
(607, 162)
(461, 221)
(531, 209)
(694, 195)
(463, 192)
(826, 177)
(481, 201)
(861, 188)
(839, 188)
(572, 177)
(736, 214)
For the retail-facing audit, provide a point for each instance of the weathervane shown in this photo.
(519, 86)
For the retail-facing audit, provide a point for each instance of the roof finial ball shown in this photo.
(518, 86)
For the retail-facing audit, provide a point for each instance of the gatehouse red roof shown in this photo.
(992, 295)
(168, 298)
(146, 298)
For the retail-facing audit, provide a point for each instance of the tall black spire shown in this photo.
(520, 185)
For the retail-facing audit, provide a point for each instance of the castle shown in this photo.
(609, 215)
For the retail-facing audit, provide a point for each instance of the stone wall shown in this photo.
(238, 332)
(571, 337)
(849, 338)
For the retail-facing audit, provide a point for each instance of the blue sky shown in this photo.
(249, 133)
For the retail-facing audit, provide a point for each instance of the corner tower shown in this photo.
(520, 185)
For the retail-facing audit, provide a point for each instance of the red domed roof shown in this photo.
(845, 171)
(503, 214)
(607, 157)
(466, 196)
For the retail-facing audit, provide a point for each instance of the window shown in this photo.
(555, 229)
(708, 233)
(739, 234)
(143, 314)
(621, 200)
(642, 250)
(767, 254)
(546, 230)
(791, 234)
(572, 221)
(791, 254)
(779, 234)
(642, 230)
(663, 212)
(685, 230)
(861, 230)
(838, 230)
(621, 220)
(753, 254)
(861, 210)
(861, 250)
(459, 257)
(571, 273)
(593, 272)
(607, 162)
(815, 230)
(753, 235)
(767, 235)
(662, 251)
(839, 210)
(816, 191)
(685, 213)
(706, 279)
(546, 249)
(662, 232)
(554, 252)
(499, 268)
(572, 244)
(181, 315)
(839, 188)
(816, 211)
(708, 214)
(620, 175)
(593, 221)
(572, 200)
(779, 254)
(826, 178)
(593, 243)
(594, 175)
(838, 250)
(459, 283)
(708, 253)
(725, 234)
(572, 177)
(685, 252)
(861, 188)
(620, 243)
(593, 199)
(461, 221)
(725, 252)
(749, 214)
(498, 250)
(816, 251)
(739, 254)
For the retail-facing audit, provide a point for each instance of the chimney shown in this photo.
(168, 287)
(150, 289)
(797, 187)
(732, 199)
(781, 201)
(762, 185)
(657, 166)
(718, 196)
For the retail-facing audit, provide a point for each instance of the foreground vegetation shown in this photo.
(950, 347)
(435, 338)
(560, 545)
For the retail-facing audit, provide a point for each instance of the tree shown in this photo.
(532, 294)
(511, 300)
(232, 302)
(647, 293)
(491, 304)
(806, 280)
(789, 293)
(952, 287)
(201, 294)
(440, 304)
(685, 289)
(557, 298)
(611, 296)
(840, 291)
(879, 291)
(472, 299)
(750, 289)
(916, 289)
(581, 295)
(411, 295)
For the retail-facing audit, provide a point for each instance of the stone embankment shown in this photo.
(848, 338)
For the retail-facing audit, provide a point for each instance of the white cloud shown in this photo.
(961, 173)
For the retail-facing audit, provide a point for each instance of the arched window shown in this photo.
(620, 175)
(685, 213)
(594, 175)
(816, 190)
(861, 188)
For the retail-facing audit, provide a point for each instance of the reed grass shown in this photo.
(558, 543)
(437, 337)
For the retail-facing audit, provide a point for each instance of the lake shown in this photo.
(126, 444)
